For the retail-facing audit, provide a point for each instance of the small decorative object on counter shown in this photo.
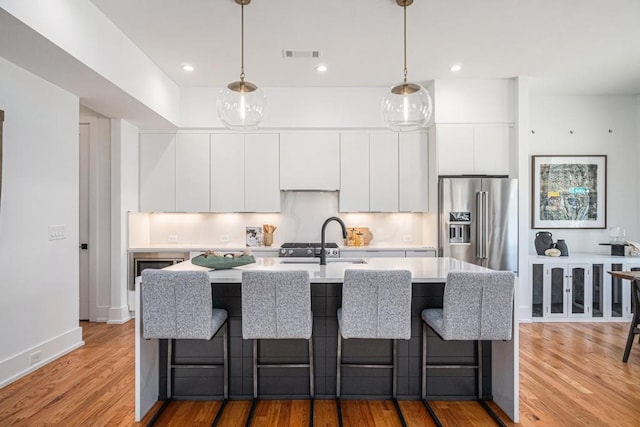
(358, 236)
(267, 230)
(543, 242)
(254, 236)
(552, 252)
(223, 261)
(562, 247)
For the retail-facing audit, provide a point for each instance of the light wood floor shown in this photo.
(571, 375)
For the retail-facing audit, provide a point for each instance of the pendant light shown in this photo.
(406, 106)
(241, 104)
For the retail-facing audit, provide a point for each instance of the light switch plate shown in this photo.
(57, 232)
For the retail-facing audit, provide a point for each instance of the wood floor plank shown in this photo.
(571, 374)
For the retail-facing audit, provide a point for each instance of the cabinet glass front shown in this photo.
(557, 290)
(597, 307)
(577, 290)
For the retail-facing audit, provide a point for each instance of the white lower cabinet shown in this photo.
(581, 290)
(567, 290)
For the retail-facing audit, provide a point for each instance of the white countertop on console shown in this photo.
(423, 270)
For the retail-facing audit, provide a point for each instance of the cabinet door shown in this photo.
(227, 172)
(455, 150)
(192, 173)
(383, 172)
(491, 150)
(262, 172)
(579, 285)
(310, 161)
(354, 172)
(419, 253)
(413, 172)
(554, 290)
(158, 172)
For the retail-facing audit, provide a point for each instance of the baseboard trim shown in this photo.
(119, 315)
(16, 367)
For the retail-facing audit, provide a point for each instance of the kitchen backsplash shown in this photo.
(300, 220)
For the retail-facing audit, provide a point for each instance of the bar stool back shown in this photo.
(277, 305)
(179, 305)
(376, 304)
(477, 307)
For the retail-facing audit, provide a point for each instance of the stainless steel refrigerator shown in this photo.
(478, 220)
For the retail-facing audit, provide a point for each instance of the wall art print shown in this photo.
(569, 191)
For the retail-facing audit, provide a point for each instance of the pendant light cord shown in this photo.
(242, 42)
(404, 7)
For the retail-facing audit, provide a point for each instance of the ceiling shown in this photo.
(566, 47)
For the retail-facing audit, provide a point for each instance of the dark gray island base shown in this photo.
(428, 277)
(294, 384)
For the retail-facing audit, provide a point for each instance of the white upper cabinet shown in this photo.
(227, 172)
(478, 150)
(413, 177)
(354, 172)
(245, 173)
(192, 172)
(310, 161)
(157, 172)
(261, 173)
(383, 172)
(491, 150)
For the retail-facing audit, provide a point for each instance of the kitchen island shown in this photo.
(428, 277)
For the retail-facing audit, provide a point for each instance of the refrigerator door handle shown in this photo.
(479, 225)
(482, 210)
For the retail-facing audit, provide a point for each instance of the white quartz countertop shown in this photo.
(423, 270)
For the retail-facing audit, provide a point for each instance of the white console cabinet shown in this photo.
(579, 288)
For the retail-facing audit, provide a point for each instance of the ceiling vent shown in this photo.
(290, 53)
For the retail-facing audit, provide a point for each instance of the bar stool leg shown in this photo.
(312, 388)
(255, 384)
(394, 374)
(338, 372)
(425, 402)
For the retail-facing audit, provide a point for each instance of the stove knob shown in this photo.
(283, 251)
(309, 252)
(290, 251)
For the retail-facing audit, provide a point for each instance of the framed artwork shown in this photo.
(254, 236)
(569, 192)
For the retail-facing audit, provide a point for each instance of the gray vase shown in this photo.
(562, 246)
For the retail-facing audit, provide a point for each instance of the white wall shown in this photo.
(38, 277)
(293, 108)
(590, 118)
(124, 198)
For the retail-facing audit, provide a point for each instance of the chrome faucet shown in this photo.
(323, 255)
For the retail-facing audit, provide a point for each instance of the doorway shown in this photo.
(83, 234)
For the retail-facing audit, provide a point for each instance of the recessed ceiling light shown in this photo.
(187, 67)
(455, 67)
(321, 68)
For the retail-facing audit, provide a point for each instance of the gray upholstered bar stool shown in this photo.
(476, 307)
(376, 304)
(179, 305)
(277, 305)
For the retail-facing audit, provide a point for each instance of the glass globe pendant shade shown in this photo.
(241, 106)
(406, 107)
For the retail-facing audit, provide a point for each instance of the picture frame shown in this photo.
(254, 236)
(569, 191)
